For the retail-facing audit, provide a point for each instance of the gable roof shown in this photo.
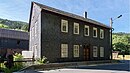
(13, 34)
(54, 10)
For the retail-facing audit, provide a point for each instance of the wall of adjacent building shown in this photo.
(17, 45)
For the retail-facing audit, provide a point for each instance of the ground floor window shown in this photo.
(101, 51)
(76, 50)
(64, 50)
(95, 51)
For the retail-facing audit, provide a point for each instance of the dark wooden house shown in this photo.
(12, 40)
(63, 36)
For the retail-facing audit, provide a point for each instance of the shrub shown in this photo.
(42, 60)
(17, 65)
(18, 57)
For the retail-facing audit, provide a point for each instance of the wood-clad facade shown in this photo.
(63, 37)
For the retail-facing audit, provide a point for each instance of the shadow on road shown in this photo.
(125, 66)
(28, 71)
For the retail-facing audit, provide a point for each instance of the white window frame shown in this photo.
(76, 25)
(33, 49)
(64, 23)
(93, 32)
(64, 50)
(86, 31)
(101, 31)
(101, 51)
(36, 50)
(33, 32)
(95, 51)
(36, 29)
(76, 50)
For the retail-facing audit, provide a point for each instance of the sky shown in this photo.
(99, 10)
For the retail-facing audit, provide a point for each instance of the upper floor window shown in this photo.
(95, 51)
(64, 26)
(76, 50)
(101, 51)
(33, 32)
(36, 29)
(76, 28)
(86, 30)
(36, 51)
(64, 50)
(94, 32)
(101, 33)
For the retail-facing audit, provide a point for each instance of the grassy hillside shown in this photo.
(19, 25)
(3, 26)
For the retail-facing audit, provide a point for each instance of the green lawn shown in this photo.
(3, 26)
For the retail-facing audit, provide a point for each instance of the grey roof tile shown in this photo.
(44, 7)
(14, 34)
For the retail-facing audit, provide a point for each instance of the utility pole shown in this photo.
(112, 29)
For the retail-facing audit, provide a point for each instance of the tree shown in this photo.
(121, 43)
(25, 27)
(3, 26)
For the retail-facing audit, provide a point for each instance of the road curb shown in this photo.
(51, 66)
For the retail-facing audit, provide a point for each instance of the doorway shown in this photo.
(86, 51)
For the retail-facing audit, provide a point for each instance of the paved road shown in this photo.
(108, 68)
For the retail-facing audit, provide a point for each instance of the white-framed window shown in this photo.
(95, 51)
(64, 50)
(36, 51)
(101, 33)
(64, 26)
(36, 29)
(86, 30)
(76, 50)
(33, 49)
(76, 28)
(101, 51)
(94, 32)
(33, 32)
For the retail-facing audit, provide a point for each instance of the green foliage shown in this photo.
(121, 42)
(18, 57)
(17, 65)
(3, 26)
(42, 60)
(14, 24)
(6, 70)
(25, 27)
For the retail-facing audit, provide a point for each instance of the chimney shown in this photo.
(85, 14)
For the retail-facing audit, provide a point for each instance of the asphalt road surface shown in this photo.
(107, 68)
